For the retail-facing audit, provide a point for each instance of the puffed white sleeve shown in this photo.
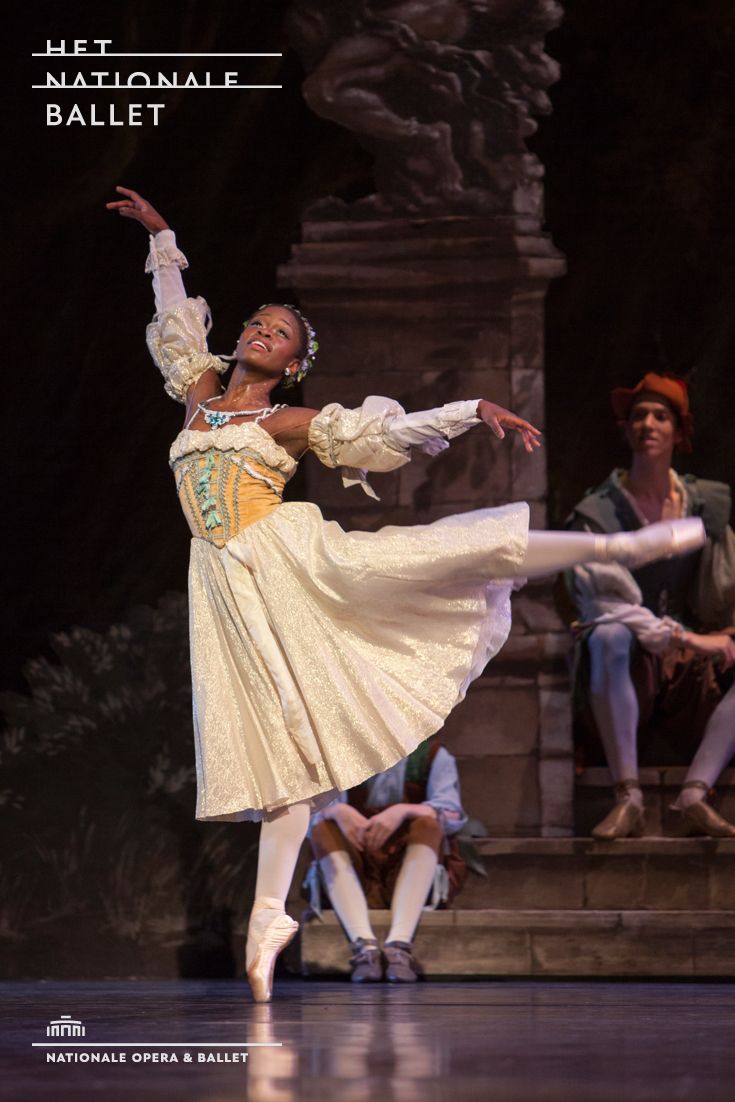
(177, 336)
(442, 792)
(607, 593)
(379, 435)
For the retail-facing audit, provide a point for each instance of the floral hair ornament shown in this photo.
(312, 344)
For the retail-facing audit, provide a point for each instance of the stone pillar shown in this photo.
(430, 294)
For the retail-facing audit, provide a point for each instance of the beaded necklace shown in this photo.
(219, 417)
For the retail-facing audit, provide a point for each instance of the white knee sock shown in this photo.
(412, 887)
(716, 750)
(346, 894)
(278, 851)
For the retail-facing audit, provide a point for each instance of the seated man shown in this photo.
(657, 642)
(380, 845)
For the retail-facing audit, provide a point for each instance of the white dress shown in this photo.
(320, 657)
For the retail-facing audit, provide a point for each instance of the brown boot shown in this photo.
(626, 818)
(366, 961)
(401, 965)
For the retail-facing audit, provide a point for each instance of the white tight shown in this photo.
(281, 835)
(550, 552)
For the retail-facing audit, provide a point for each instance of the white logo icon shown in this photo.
(65, 1026)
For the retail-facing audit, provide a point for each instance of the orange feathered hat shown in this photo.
(671, 388)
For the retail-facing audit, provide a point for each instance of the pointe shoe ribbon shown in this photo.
(275, 938)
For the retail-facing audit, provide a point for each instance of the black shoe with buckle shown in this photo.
(401, 965)
(366, 961)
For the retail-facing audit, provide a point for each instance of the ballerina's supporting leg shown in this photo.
(270, 928)
(549, 552)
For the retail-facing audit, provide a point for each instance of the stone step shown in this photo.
(523, 942)
(646, 874)
(593, 798)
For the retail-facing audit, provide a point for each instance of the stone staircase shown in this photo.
(654, 906)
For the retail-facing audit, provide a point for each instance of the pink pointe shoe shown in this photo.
(274, 938)
(655, 541)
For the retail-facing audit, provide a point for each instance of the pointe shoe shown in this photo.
(656, 541)
(275, 937)
(625, 820)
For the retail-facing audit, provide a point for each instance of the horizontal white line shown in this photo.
(78, 56)
(146, 87)
(157, 1044)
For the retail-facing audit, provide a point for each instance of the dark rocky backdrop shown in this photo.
(639, 168)
(107, 873)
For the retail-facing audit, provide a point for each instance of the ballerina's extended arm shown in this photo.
(177, 336)
(379, 435)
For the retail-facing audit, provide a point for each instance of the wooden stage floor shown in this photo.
(500, 1041)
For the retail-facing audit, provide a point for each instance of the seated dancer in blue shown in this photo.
(321, 657)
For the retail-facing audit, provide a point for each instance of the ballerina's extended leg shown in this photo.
(549, 552)
(270, 929)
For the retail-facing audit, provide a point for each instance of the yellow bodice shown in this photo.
(224, 489)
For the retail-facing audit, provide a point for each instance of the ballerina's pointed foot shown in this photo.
(273, 940)
(657, 541)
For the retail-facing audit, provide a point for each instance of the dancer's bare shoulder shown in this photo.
(290, 428)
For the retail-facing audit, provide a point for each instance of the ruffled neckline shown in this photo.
(234, 438)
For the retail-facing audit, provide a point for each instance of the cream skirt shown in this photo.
(321, 657)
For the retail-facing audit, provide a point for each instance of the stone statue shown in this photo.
(440, 91)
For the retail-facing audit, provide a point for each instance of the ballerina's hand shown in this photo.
(499, 419)
(135, 206)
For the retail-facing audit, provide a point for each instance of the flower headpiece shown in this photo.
(312, 345)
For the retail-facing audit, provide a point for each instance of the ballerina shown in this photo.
(322, 657)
